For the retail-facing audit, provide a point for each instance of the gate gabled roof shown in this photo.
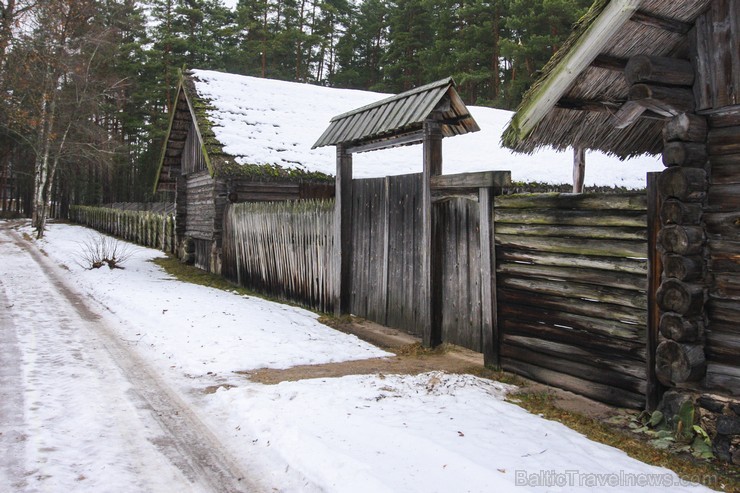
(401, 115)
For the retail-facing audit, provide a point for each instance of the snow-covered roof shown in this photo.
(269, 122)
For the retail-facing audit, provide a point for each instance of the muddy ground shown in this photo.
(410, 358)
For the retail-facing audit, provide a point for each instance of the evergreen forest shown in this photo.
(87, 84)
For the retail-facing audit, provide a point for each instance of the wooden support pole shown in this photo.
(431, 285)
(343, 232)
(490, 339)
(579, 169)
(653, 389)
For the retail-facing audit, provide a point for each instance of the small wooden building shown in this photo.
(663, 77)
(207, 161)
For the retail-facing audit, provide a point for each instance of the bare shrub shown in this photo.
(99, 250)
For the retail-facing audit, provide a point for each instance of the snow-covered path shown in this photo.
(129, 380)
(78, 412)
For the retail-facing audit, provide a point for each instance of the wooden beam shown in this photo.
(343, 232)
(579, 168)
(664, 100)
(496, 179)
(611, 107)
(609, 62)
(416, 137)
(430, 316)
(685, 127)
(628, 114)
(659, 22)
(654, 390)
(490, 336)
(589, 105)
(659, 70)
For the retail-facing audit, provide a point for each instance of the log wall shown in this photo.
(722, 228)
(572, 277)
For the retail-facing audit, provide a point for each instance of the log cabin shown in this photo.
(234, 138)
(207, 160)
(663, 77)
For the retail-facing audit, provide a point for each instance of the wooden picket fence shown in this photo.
(281, 248)
(150, 229)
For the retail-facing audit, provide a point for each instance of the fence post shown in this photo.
(431, 268)
(653, 390)
(489, 323)
(343, 232)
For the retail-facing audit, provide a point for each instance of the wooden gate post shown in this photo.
(431, 286)
(343, 232)
(654, 389)
(489, 327)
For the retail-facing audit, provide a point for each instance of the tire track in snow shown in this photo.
(11, 399)
(188, 443)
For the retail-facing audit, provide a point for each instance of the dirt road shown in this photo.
(79, 411)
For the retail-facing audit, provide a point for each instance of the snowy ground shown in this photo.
(78, 425)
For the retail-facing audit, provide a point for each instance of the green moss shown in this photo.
(268, 172)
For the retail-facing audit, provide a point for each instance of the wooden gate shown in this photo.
(386, 259)
(572, 287)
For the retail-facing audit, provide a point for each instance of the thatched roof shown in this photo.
(583, 84)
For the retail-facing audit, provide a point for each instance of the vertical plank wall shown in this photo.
(386, 227)
(386, 264)
(717, 91)
(572, 292)
(457, 224)
(722, 226)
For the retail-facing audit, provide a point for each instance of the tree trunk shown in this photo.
(678, 363)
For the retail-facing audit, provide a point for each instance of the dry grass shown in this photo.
(718, 476)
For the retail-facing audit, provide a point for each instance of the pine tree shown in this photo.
(536, 29)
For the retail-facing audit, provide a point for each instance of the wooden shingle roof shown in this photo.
(400, 116)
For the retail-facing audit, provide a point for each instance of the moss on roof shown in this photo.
(512, 134)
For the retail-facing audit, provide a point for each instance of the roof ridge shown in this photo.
(396, 97)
